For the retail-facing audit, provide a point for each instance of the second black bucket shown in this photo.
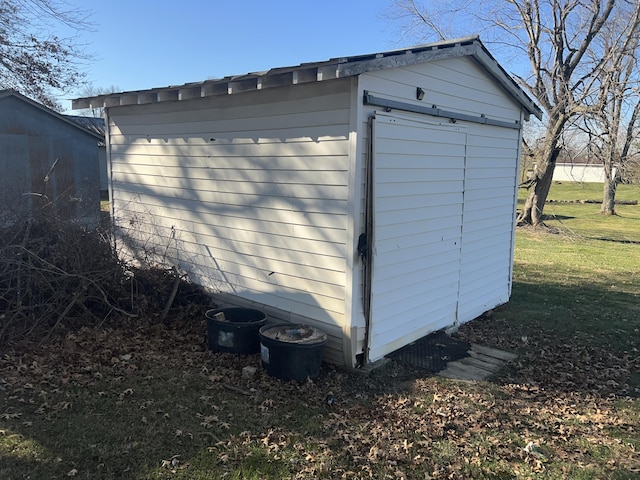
(292, 352)
(234, 330)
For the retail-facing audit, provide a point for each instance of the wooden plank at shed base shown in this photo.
(478, 362)
(494, 352)
(481, 363)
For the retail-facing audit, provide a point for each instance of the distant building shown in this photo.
(579, 172)
(47, 161)
(96, 125)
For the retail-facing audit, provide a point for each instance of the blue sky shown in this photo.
(140, 44)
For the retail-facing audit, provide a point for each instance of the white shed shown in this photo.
(371, 196)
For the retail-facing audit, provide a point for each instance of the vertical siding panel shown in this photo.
(415, 275)
(492, 155)
(490, 184)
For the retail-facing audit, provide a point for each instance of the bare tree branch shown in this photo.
(35, 55)
(558, 38)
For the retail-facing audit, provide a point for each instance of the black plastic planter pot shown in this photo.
(234, 330)
(292, 352)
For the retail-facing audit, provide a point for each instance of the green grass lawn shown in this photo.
(566, 191)
(146, 401)
(583, 219)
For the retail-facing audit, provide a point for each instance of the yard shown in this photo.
(144, 400)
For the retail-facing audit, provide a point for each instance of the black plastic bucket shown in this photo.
(292, 352)
(234, 330)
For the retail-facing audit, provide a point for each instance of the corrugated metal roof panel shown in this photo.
(93, 124)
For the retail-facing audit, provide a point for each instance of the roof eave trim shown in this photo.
(209, 88)
(493, 67)
(408, 58)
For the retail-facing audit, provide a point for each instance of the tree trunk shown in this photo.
(534, 206)
(611, 180)
(609, 197)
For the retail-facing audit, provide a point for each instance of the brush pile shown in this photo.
(55, 274)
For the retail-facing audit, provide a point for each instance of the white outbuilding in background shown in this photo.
(371, 196)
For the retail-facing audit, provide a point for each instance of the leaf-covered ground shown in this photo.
(147, 401)
(143, 399)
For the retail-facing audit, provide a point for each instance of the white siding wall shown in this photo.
(247, 193)
(458, 84)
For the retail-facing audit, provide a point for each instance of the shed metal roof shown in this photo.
(94, 124)
(321, 71)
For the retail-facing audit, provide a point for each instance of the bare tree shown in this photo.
(554, 36)
(34, 59)
(612, 116)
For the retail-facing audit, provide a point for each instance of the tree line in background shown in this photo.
(581, 68)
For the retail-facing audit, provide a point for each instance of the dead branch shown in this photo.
(61, 317)
(54, 274)
(172, 296)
